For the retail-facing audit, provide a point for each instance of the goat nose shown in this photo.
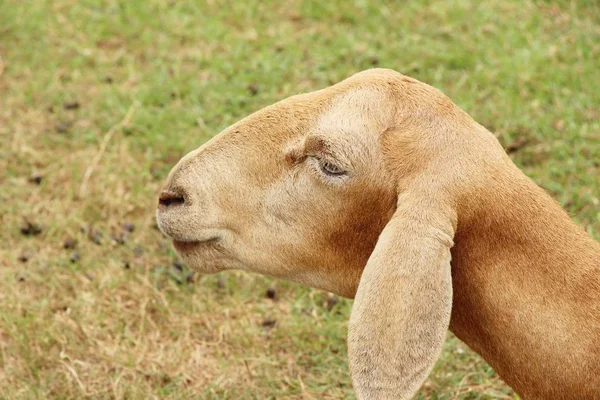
(170, 198)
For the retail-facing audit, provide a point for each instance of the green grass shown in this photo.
(155, 79)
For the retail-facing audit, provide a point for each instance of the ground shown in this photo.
(99, 99)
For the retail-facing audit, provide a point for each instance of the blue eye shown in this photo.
(330, 169)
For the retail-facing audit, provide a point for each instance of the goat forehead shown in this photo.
(354, 120)
(357, 110)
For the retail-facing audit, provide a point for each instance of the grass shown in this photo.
(99, 99)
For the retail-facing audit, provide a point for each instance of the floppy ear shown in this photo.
(402, 306)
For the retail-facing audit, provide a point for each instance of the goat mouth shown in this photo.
(193, 244)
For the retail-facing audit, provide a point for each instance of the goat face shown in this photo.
(298, 190)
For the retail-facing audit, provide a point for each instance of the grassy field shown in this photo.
(99, 99)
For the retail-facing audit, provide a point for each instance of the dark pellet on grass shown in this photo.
(24, 257)
(30, 229)
(71, 105)
(75, 256)
(269, 322)
(69, 243)
(128, 227)
(118, 239)
(126, 264)
(190, 277)
(128, 131)
(221, 284)
(95, 236)
(178, 265)
(165, 380)
(331, 302)
(271, 293)
(253, 89)
(36, 179)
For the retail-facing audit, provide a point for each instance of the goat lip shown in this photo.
(192, 244)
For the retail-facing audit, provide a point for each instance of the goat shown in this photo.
(381, 189)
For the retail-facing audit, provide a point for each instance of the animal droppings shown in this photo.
(221, 284)
(30, 229)
(331, 302)
(178, 265)
(269, 323)
(36, 178)
(95, 236)
(271, 293)
(118, 239)
(253, 89)
(24, 257)
(190, 277)
(71, 105)
(75, 256)
(69, 243)
(128, 227)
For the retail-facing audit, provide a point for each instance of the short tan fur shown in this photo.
(379, 188)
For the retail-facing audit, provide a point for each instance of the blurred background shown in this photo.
(99, 99)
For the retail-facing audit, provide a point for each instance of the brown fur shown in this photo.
(425, 184)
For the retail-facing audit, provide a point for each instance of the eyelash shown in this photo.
(328, 168)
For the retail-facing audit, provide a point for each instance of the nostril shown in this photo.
(168, 198)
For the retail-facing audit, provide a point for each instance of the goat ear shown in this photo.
(402, 306)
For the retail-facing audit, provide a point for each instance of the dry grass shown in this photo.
(98, 99)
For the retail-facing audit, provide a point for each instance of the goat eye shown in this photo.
(330, 169)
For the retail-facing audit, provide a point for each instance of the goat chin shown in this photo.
(380, 188)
